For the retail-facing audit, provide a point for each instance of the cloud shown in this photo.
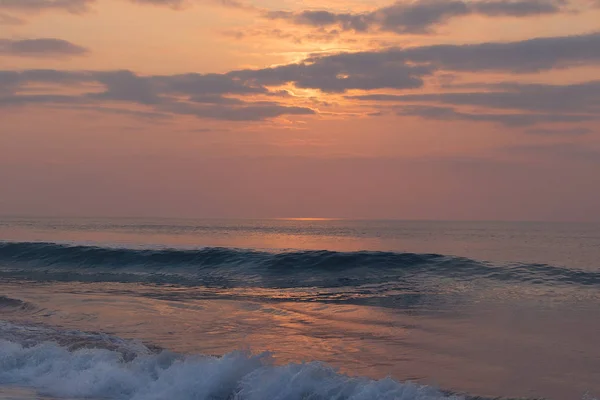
(203, 96)
(580, 97)
(524, 8)
(256, 111)
(14, 100)
(6, 19)
(146, 115)
(46, 47)
(560, 132)
(531, 55)
(126, 86)
(176, 4)
(9, 81)
(405, 68)
(168, 3)
(193, 83)
(510, 120)
(396, 69)
(72, 6)
(321, 19)
(215, 99)
(179, 4)
(543, 103)
(83, 6)
(342, 72)
(556, 151)
(299, 38)
(419, 16)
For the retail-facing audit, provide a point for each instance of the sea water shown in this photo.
(298, 309)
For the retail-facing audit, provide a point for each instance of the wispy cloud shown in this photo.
(6, 19)
(507, 119)
(44, 47)
(168, 3)
(560, 132)
(83, 6)
(180, 4)
(72, 6)
(419, 16)
(580, 97)
(323, 35)
(528, 104)
(247, 94)
(557, 151)
(405, 68)
(203, 96)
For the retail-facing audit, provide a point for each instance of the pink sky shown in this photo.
(426, 109)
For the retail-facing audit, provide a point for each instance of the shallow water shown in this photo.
(489, 309)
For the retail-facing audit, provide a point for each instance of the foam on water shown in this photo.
(95, 372)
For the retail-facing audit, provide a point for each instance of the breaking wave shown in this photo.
(106, 367)
(228, 267)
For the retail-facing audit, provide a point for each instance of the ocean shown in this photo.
(304, 309)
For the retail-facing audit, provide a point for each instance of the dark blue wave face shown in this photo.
(230, 268)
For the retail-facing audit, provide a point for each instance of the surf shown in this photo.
(232, 267)
(113, 368)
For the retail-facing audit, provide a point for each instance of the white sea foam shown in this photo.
(102, 373)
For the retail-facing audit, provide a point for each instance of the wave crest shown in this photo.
(102, 373)
(227, 267)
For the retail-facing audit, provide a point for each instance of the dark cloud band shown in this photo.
(419, 16)
(580, 97)
(507, 119)
(46, 47)
(204, 96)
(73, 6)
(406, 68)
(391, 69)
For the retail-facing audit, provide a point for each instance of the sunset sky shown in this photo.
(426, 109)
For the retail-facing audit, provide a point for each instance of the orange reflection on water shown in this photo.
(309, 219)
(245, 239)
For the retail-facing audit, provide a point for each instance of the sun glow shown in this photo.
(308, 219)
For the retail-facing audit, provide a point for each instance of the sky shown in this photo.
(422, 109)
